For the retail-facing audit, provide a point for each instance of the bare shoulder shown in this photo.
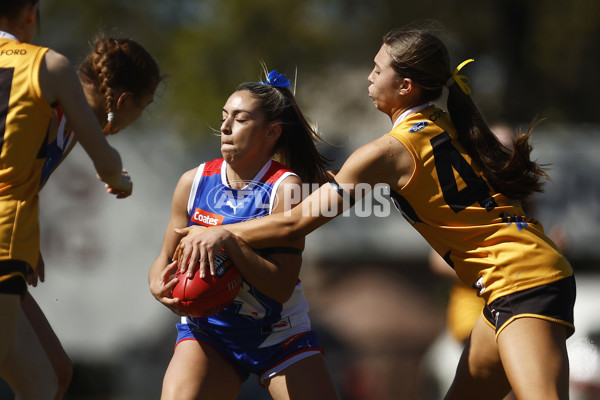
(383, 149)
(182, 190)
(291, 180)
(56, 62)
(187, 178)
(289, 193)
(56, 75)
(384, 160)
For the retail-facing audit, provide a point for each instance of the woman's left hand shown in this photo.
(162, 286)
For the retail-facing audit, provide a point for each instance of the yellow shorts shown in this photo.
(19, 230)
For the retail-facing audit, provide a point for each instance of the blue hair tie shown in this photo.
(276, 80)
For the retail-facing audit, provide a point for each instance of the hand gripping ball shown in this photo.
(203, 297)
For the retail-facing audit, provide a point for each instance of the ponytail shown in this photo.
(510, 172)
(422, 57)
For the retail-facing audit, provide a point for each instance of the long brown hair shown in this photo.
(422, 57)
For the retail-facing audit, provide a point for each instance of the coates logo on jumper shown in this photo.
(253, 200)
(206, 218)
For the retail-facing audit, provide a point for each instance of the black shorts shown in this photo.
(12, 277)
(552, 302)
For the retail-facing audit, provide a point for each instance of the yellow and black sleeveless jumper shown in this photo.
(487, 238)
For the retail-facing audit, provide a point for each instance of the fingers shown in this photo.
(163, 291)
(202, 262)
(167, 271)
(185, 258)
(192, 267)
(36, 275)
(177, 252)
(211, 261)
(123, 195)
(173, 305)
(32, 279)
(122, 189)
(183, 232)
(119, 194)
(167, 289)
(206, 262)
(195, 250)
(195, 258)
(41, 273)
(196, 254)
(183, 251)
(183, 264)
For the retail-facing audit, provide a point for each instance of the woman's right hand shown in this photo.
(161, 287)
(118, 184)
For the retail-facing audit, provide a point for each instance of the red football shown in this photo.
(203, 297)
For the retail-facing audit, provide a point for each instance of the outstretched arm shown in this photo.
(60, 85)
(383, 161)
(275, 272)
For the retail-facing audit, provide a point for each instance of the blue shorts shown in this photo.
(265, 362)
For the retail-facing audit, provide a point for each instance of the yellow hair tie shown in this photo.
(461, 80)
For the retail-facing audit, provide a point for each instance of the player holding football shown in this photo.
(266, 330)
(462, 190)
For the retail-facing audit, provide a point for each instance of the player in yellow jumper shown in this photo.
(33, 81)
(120, 77)
(462, 191)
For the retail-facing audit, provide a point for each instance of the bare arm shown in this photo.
(383, 161)
(440, 267)
(60, 85)
(275, 275)
(159, 278)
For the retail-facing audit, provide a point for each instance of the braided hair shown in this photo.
(119, 64)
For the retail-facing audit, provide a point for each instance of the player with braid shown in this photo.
(266, 331)
(463, 191)
(33, 81)
(119, 79)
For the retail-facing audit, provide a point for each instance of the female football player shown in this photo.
(266, 330)
(119, 79)
(462, 190)
(33, 81)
